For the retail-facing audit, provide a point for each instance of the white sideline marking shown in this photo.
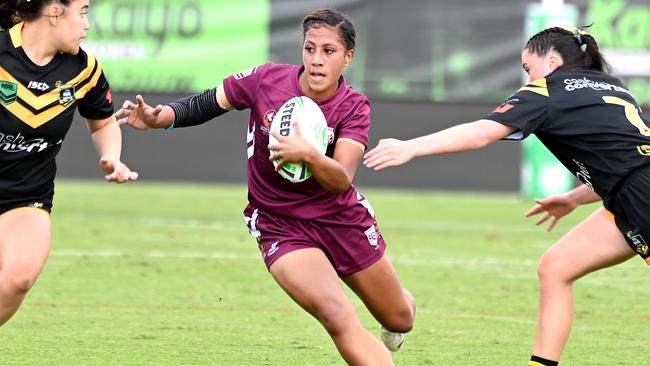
(474, 264)
(425, 225)
(156, 254)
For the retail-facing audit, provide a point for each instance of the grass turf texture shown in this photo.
(166, 274)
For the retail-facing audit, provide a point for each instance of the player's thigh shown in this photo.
(381, 291)
(25, 239)
(311, 281)
(593, 244)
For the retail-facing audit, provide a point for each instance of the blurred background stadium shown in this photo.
(424, 64)
(160, 273)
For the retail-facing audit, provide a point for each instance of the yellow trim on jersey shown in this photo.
(36, 120)
(538, 86)
(91, 84)
(353, 142)
(14, 33)
(40, 102)
(534, 363)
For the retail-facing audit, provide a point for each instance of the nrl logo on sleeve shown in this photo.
(8, 92)
(66, 94)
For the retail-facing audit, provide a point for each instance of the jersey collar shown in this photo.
(15, 31)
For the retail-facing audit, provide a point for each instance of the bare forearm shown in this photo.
(463, 137)
(583, 195)
(329, 173)
(165, 118)
(108, 140)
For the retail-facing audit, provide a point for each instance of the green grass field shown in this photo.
(162, 274)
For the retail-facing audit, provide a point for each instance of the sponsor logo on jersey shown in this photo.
(243, 74)
(639, 243)
(8, 92)
(503, 108)
(583, 174)
(66, 95)
(17, 143)
(373, 236)
(577, 84)
(268, 117)
(330, 135)
(38, 86)
(36, 205)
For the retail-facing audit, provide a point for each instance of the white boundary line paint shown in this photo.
(425, 225)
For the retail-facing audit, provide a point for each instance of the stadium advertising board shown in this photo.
(622, 29)
(177, 45)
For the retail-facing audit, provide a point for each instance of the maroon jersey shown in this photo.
(264, 89)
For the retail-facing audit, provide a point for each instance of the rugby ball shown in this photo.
(313, 127)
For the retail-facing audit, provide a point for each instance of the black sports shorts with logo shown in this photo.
(631, 207)
(44, 203)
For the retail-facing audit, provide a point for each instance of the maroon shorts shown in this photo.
(350, 239)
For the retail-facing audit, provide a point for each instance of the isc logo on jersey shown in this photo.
(313, 128)
(38, 86)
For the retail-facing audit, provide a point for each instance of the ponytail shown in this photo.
(14, 11)
(8, 16)
(579, 50)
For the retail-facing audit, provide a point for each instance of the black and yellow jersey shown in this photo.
(37, 104)
(588, 120)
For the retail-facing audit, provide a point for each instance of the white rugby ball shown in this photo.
(313, 127)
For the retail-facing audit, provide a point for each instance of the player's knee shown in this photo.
(334, 316)
(17, 284)
(552, 268)
(18, 280)
(401, 321)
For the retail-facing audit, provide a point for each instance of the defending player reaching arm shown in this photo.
(592, 124)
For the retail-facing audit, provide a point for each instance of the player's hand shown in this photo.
(553, 207)
(116, 171)
(387, 153)
(291, 149)
(138, 115)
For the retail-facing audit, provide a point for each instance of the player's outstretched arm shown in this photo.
(107, 138)
(185, 112)
(467, 136)
(560, 205)
(142, 116)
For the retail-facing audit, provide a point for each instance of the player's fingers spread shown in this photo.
(534, 211)
(122, 121)
(157, 110)
(128, 105)
(542, 219)
(380, 162)
(553, 223)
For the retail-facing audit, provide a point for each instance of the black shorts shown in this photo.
(44, 203)
(631, 208)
